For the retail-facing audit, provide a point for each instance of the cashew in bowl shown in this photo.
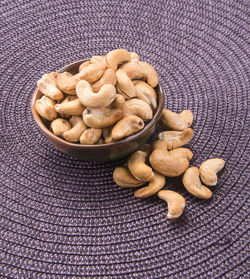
(67, 82)
(92, 72)
(149, 73)
(156, 183)
(116, 57)
(209, 169)
(134, 56)
(146, 93)
(64, 101)
(84, 65)
(108, 77)
(98, 59)
(175, 121)
(125, 84)
(78, 127)
(176, 203)
(45, 107)
(59, 126)
(47, 85)
(89, 99)
(139, 108)
(182, 152)
(133, 70)
(90, 136)
(176, 139)
(74, 107)
(193, 184)
(124, 178)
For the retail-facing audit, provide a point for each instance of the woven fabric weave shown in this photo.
(65, 218)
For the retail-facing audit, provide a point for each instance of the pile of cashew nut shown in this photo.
(167, 158)
(110, 98)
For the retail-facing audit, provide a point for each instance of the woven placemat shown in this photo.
(61, 217)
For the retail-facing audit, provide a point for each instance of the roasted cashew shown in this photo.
(47, 85)
(193, 184)
(209, 169)
(149, 73)
(92, 72)
(182, 152)
(125, 84)
(176, 203)
(84, 65)
(74, 107)
(64, 101)
(127, 126)
(90, 136)
(146, 93)
(138, 168)
(89, 99)
(118, 101)
(116, 57)
(78, 127)
(133, 70)
(124, 178)
(137, 107)
(67, 82)
(175, 121)
(59, 126)
(156, 183)
(134, 56)
(98, 60)
(45, 107)
(176, 139)
(166, 164)
(108, 77)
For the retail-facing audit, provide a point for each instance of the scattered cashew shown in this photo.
(92, 72)
(67, 82)
(209, 169)
(176, 139)
(84, 65)
(137, 107)
(175, 121)
(182, 152)
(78, 127)
(134, 56)
(90, 136)
(127, 126)
(103, 98)
(124, 178)
(176, 203)
(149, 73)
(74, 107)
(156, 183)
(108, 77)
(125, 84)
(47, 85)
(45, 107)
(193, 184)
(59, 126)
(116, 57)
(145, 92)
(138, 168)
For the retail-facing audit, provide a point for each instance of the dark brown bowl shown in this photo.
(98, 152)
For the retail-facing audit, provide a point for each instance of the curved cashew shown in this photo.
(98, 60)
(209, 169)
(103, 98)
(175, 121)
(134, 56)
(137, 107)
(176, 203)
(146, 93)
(138, 168)
(47, 85)
(118, 101)
(149, 73)
(116, 57)
(155, 184)
(67, 82)
(193, 184)
(78, 127)
(92, 72)
(74, 107)
(90, 136)
(108, 77)
(133, 70)
(176, 139)
(127, 126)
(59, 126)
(124, 178)
(125, 84)
(64, 101)
(84, 65)
(182, 152)
(45, 107)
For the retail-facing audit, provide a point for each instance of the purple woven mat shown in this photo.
(63, 218)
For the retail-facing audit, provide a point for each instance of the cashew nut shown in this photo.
(98, 60)
(149, 73)
(176, 203)
(124, 178)
(45, 107)
(166, 164)
(90, 136)
(59, 126)
(47, 85)
(108, 77)
(103, 98)
(176, 139)
(67, 82)
(134, 56)
(137, 107)
(64, 101)
(182, 152)
(209, 169)
(156, 183)
(193, 184)
(78, 127)
(118, 101)
(175, 121)
(116, 57)
(84, 65)
(138, 168)
(133, 70)
(92, 72)
(146, 93)
(125, 84)
(74, 107)
(127, 126)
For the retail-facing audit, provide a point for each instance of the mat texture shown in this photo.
(63, 218)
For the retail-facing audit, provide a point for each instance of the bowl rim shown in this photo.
(153, 121)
